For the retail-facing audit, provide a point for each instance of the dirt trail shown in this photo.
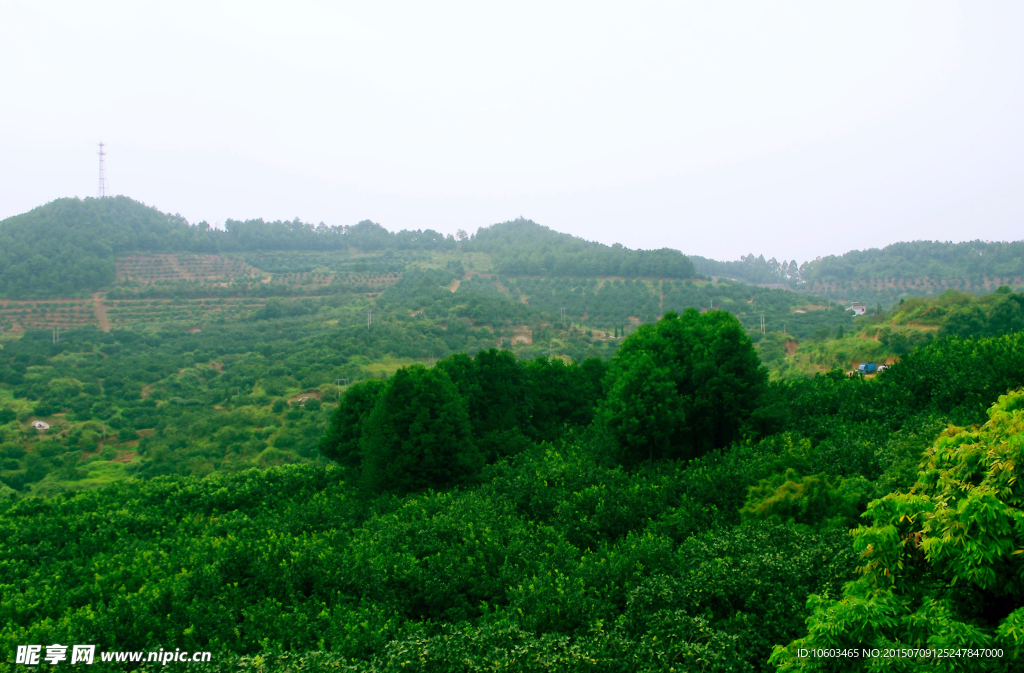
(99, 309)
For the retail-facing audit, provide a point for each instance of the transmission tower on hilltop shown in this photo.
(101, 190)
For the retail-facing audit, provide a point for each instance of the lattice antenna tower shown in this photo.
(101, 189)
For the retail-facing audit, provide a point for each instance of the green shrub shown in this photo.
(790, 498)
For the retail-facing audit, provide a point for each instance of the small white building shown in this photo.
(858, 308)
(39, 425)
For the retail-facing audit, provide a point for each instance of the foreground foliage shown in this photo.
(941, 564)
(597, 567)
(551, 557)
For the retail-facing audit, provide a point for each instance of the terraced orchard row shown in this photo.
(153, 268)
(45, 314)
(887, 290)
(145, 314)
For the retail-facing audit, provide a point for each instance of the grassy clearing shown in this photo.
(100, 473)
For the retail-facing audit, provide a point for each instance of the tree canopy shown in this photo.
(418, 435)
(341, 442)
(687, 384)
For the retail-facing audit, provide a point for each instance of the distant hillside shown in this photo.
(67, 247)
(886, 275)
(917, 268)
(750, 269)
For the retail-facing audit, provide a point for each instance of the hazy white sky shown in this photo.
(793, 129)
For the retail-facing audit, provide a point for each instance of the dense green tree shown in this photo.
(503, 401)
(564, 395)
(713, 367)
(644, 411)
(554, 559)
(498, 395)
(418, 435)
(786, 497)
(1006, 312)
(341, 441)
(887, 274)
(964, 322)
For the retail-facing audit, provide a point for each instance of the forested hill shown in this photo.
(920, 258)
(116, 225)
(68, 246)
(525, 248)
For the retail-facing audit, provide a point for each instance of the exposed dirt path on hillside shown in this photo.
(99, 309)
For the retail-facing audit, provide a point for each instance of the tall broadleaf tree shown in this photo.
(341, 441)
(715, 372)
(418, 435)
